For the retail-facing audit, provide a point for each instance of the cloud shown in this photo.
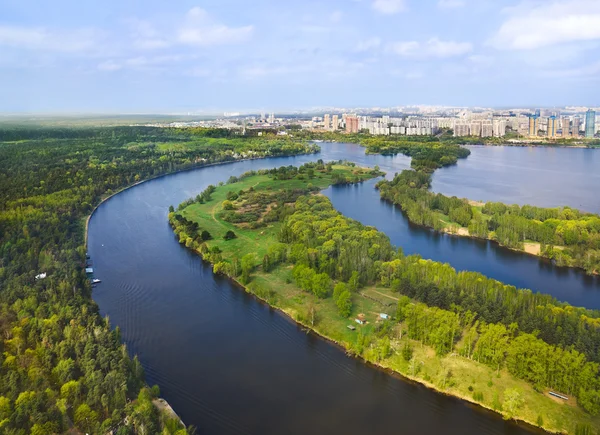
(368, 44)
(531, 25)
(109, 65)
(40, 38)
(145, 36)
(389, 7)
(200, 29)
(432, 48)
(336, 16)
(451, 4)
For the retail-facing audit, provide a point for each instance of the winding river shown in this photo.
(231, 365)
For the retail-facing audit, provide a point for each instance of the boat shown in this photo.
(96, 281)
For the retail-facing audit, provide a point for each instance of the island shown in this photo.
(565, 235)
(524, 355)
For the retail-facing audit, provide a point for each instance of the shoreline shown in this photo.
(164, 404)
(460, 234)
(289, 315)
(137, 183)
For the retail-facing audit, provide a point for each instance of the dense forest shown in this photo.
(549, 344)
(61, 365)
(566, 235)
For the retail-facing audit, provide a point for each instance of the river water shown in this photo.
(231, 365)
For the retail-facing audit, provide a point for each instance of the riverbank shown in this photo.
(468, 380)
(137, 183)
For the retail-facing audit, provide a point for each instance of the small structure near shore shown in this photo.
(361, 319)
(560, 396)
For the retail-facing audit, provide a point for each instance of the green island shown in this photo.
(460, 333)
(566, 235)
(62, 367)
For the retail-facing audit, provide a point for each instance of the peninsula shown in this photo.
(459, 333)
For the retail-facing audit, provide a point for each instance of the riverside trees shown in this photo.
(537, 339)
(59, 360)
(568, 236)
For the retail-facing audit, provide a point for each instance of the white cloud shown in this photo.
(109, 65)
(432, 48)
(451, 4)
(145, 36)
(368, 44)
(200, 29)
(336, 16)
(535, 25)
(40, 38)
(389, 7)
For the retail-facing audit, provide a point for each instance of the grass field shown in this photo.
(450, 374)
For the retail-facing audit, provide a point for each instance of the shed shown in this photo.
(351, 328)
(360, 321)
(384, 316)
(89, 270)
(41, 276)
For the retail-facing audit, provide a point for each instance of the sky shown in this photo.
(151, 56)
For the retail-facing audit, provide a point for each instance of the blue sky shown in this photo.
(154, 56)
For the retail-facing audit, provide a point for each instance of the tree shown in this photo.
(171, 209)
(354, 281)
(229, 235)
(344, 303)
(321, 285)
(85, 418)
(513, 402)
(339, 288)
(247, 265)
(407, 351)
(205, 235)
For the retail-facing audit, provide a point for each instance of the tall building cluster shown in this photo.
(480, 127)
(550, 126)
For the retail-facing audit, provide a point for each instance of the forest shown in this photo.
(566, 235)
(306, 248)
(61, 363)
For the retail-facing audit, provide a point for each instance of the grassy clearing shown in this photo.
(451, 374)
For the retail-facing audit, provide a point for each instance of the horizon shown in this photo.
(69, 58)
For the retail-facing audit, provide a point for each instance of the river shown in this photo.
(231, 365)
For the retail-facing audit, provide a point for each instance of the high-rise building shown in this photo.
(534, 125)
(351, 124)
(326, 122)
(476, 128)
(576, 126)
(487, 129)
(461, 129)
(272, 118)
(335, 122)
(499, 127)
(565, 126)
(538, 112)
(590, 124)
(552, 123)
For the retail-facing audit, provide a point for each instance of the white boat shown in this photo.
(96, 281)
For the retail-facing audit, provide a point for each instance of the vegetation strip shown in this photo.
(474, 338)
(61, 366)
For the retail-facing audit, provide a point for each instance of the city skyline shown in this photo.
(213, 56)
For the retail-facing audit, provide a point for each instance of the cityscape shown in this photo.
(570, 123)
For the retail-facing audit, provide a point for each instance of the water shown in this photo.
(231, 365)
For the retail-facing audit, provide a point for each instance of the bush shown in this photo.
(229, 235)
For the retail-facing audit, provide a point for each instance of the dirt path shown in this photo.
(238, 234)
(385, 296)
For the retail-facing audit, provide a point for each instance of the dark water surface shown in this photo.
(230, 365)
